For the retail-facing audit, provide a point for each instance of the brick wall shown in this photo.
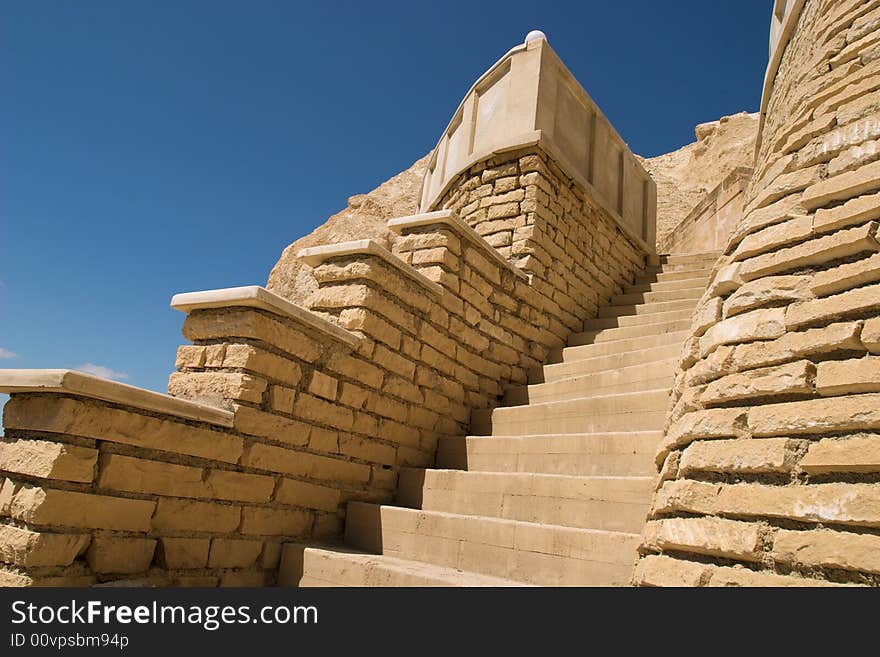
(769, 466)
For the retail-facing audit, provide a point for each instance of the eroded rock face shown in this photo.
(364, 217)
(685, 176)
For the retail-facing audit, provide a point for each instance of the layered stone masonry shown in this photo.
(769, 466)
(316, 407)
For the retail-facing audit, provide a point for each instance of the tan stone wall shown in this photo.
(769, 468)
(96, 492)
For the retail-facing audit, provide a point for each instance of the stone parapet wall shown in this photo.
(312, 408)
(769, 465)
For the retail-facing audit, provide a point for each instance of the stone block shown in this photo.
(30, 549)
(839, 337)
(846, 276)
(711, 536)
(842, 187)
(282, 429)
(772, 290)
(306, 495)
(859, 453)
(852, 413)
(48, 460)
(268, 365)
(234, 553)
(825, 548)
(183, 553)
(174, 514)
(239, 486)
(764, 324)
(214, 388)
(847, 304)
(741, 456)
(65, 508)
(275, 522)
(117, 555)
(791, 378)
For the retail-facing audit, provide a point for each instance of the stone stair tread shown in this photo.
(339, 566)
(602, 336)
(608, 347)
(636, 320)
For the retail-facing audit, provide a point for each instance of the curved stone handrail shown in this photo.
(530, 97)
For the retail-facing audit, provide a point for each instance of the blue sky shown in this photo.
(154, 148)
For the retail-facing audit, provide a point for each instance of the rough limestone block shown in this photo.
(828, 549)
(127, 473)
(706, 316)
(189, 515)
(282, 429)
(768, 291)
(853, 302)
(275, 522)
(842, 244)
(782, 210)
(239, 486)
(234, 553)
(847, 276)
(871, 335)
(744, 455)
(786, 379)
(773, 237)
(190, 356)
(829, 339)
(842, 187)
(281, 399)
(704, 424)
(25, 548)
(214, 388)
(184, 553)
(48, 460)
(857, 453)
(843, 377)
(306, 495)
(727, 280)
(852, 213)
(8, 489)
(268, 365)
(764, 324)
(738, 576)
(716, 364)
(302, 464)
(120, 555)
(92, 420)
(785, 185)
(656, 570)
(64, 508)
(853, 413)
(711, 536)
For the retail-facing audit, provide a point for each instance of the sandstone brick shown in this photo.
(183, 553)
(852, 213)
(841, 244)
(848, 504)
(234, 553)
(190, 356)
(367, 449)
(847, 276)
(92, 420)
(784, 185)
(853, 302)
(323, 412)
(304, 464)
(215, 354)
(275, 522)
(189, 515)
(710, 536)
(373, 325)
(252, 324)
(706, 315)
(281, 398)
(271, 555)
(324, 386)
(355, 368)
(852, 413)
(48, 460)
(267, 364)
(768, 291)
(871, 335)
(137, 475)
(64, 508)
(856, 453)
(762, 324)
(25, 548)
(828, 549)
(239, 486)
(843, 377)
(268, 425)
(738, 576)
(745, 456)
(120, 555)
(829, 339)
(8, 489)
(214, 388)
(704, 424)
(772, 237)
(714, 365)
(843, 186)
(786, 379)
(310, 496)
(656, 570)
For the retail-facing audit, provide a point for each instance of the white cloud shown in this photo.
(100, 370)
(5, 353)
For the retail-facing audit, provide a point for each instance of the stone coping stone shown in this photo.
(450, 218)
(71, 382)
(256, 296)
(316, 255)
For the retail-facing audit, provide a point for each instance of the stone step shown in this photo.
(610, 347)
(698, 265)
(624, 453)
(578, 363)
(652, 308)
(311, 566)
(636, 298)
(681, 258)
(636, 320)
(610, 503)
(640, 411)
(602, 336)
(699, 283)
(657, 276)
(644, 376)
(546, 555)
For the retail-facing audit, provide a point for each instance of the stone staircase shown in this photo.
(554, 486)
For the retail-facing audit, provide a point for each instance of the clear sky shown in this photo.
(162, 147)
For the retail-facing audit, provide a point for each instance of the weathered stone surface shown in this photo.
(268, 365)
(854, 212)
(847, 276)
(706, 316)
(829, 339)
(26, 548)
(711, 423)
(185, 553)
(711, 536)
(773, 237)
(844, 377)
(739, 456)
(762, 324)
(852, 413)
(246, 487)
(120, 555)
(857, 453)
(215, 388)
(853, 302)
(275, 522)
(127, 473)
(767, 381)
(656, 570)
(64, 508)
(843, 186)
(768, 291)
(871, 335)
(310, 496)
(48, 460)
(726, 280)
(268, 425)
(738, 576)
(830, 549)
(189, 515)
(234, 553)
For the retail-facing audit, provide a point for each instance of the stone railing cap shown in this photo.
(255, 296)
(85, 385)
(315, 255)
